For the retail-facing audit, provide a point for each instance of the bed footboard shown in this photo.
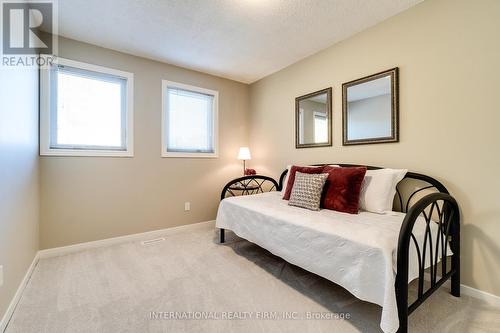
(440, 208)
(245, 186)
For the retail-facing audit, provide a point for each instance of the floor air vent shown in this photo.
(152, 241)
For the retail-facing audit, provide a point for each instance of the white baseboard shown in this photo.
(17, 296)
(479, 294)
(491, 299)
(63, 250)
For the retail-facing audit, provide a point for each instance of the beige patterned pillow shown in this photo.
(306, 191)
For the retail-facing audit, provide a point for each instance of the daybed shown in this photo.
(373, 256)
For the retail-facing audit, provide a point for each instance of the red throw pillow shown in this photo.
(342, 189)
(291, 177)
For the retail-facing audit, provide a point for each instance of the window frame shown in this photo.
(46, 94)
(215, 123)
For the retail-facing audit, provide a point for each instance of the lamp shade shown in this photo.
(244, 154)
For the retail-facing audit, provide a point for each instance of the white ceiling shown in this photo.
(243, 40)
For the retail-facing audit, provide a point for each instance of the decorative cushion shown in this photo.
(307, 189)
(342, 188)
(291, 177)
(379, 188)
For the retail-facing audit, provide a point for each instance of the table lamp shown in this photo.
(244, 155)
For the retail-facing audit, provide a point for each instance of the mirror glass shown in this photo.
(313, 119)
(370, 109)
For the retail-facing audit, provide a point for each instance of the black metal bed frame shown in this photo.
(439, 207)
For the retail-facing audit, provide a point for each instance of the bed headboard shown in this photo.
(413, 187)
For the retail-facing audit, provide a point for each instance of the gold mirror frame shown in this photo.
(328, 92)
(394, 74)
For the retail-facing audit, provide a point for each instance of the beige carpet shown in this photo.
(115, 289)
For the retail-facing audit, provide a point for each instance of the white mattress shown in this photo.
(357, 252)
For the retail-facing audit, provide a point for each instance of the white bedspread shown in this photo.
(357, 252)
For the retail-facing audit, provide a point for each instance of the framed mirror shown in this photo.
(370, 109)
(313, 119)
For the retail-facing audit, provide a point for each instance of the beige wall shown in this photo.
(18, 177)
(90, 198)
(448, 53)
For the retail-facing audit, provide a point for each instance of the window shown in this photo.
(189, 127)
(86, 110)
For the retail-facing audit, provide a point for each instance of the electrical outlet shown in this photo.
(187, 206)
(1, 275)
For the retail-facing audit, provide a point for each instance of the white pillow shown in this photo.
(379, 188)
(285, 181)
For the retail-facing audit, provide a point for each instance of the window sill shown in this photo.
(86, 153)
(188, 155)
